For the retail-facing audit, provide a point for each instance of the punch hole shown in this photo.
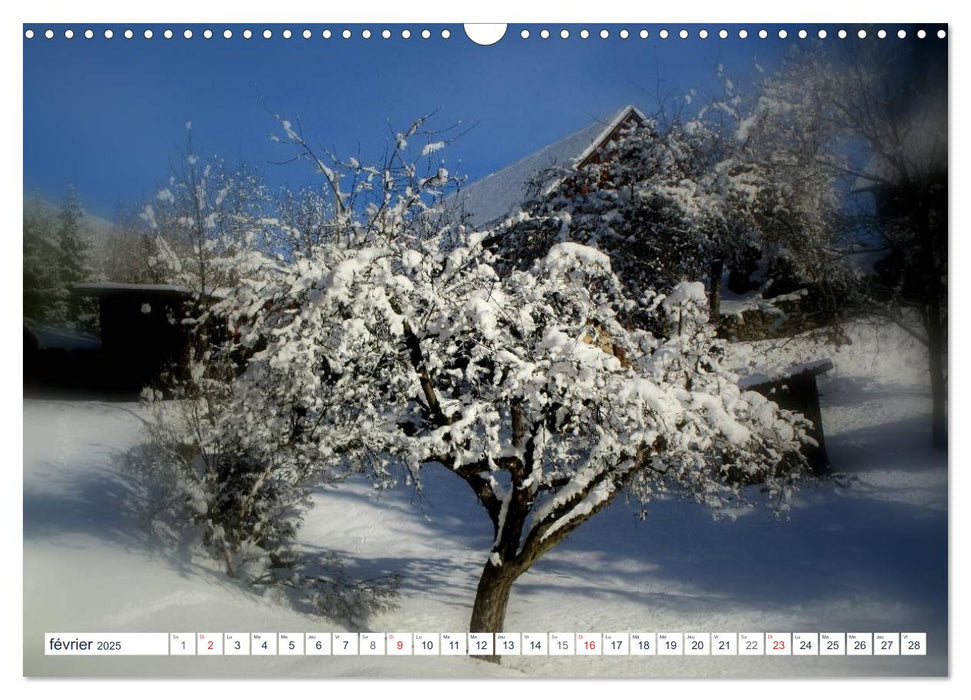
(89, 34)
(487, 34)
(227, 34)
(287, 34)
(187, 33)
(723, 34)
(247, 34)
(803, 34)
(604, 34)
(821, 34)
(207, 34)
(386, 34)
(524, 34)
(882, 34)
(841, 33)
(148, 34)
(783, 34)
(68, 34)
(644, 34)
(921, 34)
(129, 33)
(545, 34)
(564, 34)
(584, 34)
(941, 34)
(426, 34)
(405, 33)
(743, 34)
(167, 34)
(267, 34)
(763, 34)
(703, 34)
(366, 34)
(446, 34)
(683, 34)
(624, 33)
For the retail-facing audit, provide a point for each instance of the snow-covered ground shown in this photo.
(864, 553)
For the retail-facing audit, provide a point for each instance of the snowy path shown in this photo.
(870, 556)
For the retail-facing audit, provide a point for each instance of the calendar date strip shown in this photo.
(486, 644)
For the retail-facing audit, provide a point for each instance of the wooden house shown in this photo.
(495, 197)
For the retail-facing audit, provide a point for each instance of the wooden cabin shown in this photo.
(142, 329)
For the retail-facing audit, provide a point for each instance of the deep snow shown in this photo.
(865, 552)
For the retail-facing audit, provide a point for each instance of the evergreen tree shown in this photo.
(40, 263)
(55, 259)
(72, 252)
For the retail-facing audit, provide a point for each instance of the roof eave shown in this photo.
(623, 116)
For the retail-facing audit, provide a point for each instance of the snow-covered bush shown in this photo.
(242, 500)
(203, 483)
(231, 463)
(330, 591)
(196, 485)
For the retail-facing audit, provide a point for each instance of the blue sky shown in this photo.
(109, 115)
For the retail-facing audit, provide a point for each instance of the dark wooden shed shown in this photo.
(795, 389)
(142, 331)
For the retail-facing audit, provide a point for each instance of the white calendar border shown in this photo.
(503, 10)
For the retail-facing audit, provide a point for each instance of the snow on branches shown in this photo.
(393, 344)
(672, 200)
(399, 351)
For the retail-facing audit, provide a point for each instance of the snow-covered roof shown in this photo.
(501, 194)
(98, 288)
(811, 368)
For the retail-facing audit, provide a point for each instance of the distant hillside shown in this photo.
(94, 228)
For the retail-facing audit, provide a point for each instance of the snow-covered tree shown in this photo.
(71, 244)
(246, 488)
(777, 134)
(385, 350)
(642, 202)
(55, 259)
(676, 199)
(41, 280)
(876, 121)
(207, 210)
(306, 220)
(128, 253)
(243, 499)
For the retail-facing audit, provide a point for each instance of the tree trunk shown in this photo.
(936, 349)
(715, 290)
(491, 598)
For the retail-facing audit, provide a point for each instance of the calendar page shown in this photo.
(414, 349)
